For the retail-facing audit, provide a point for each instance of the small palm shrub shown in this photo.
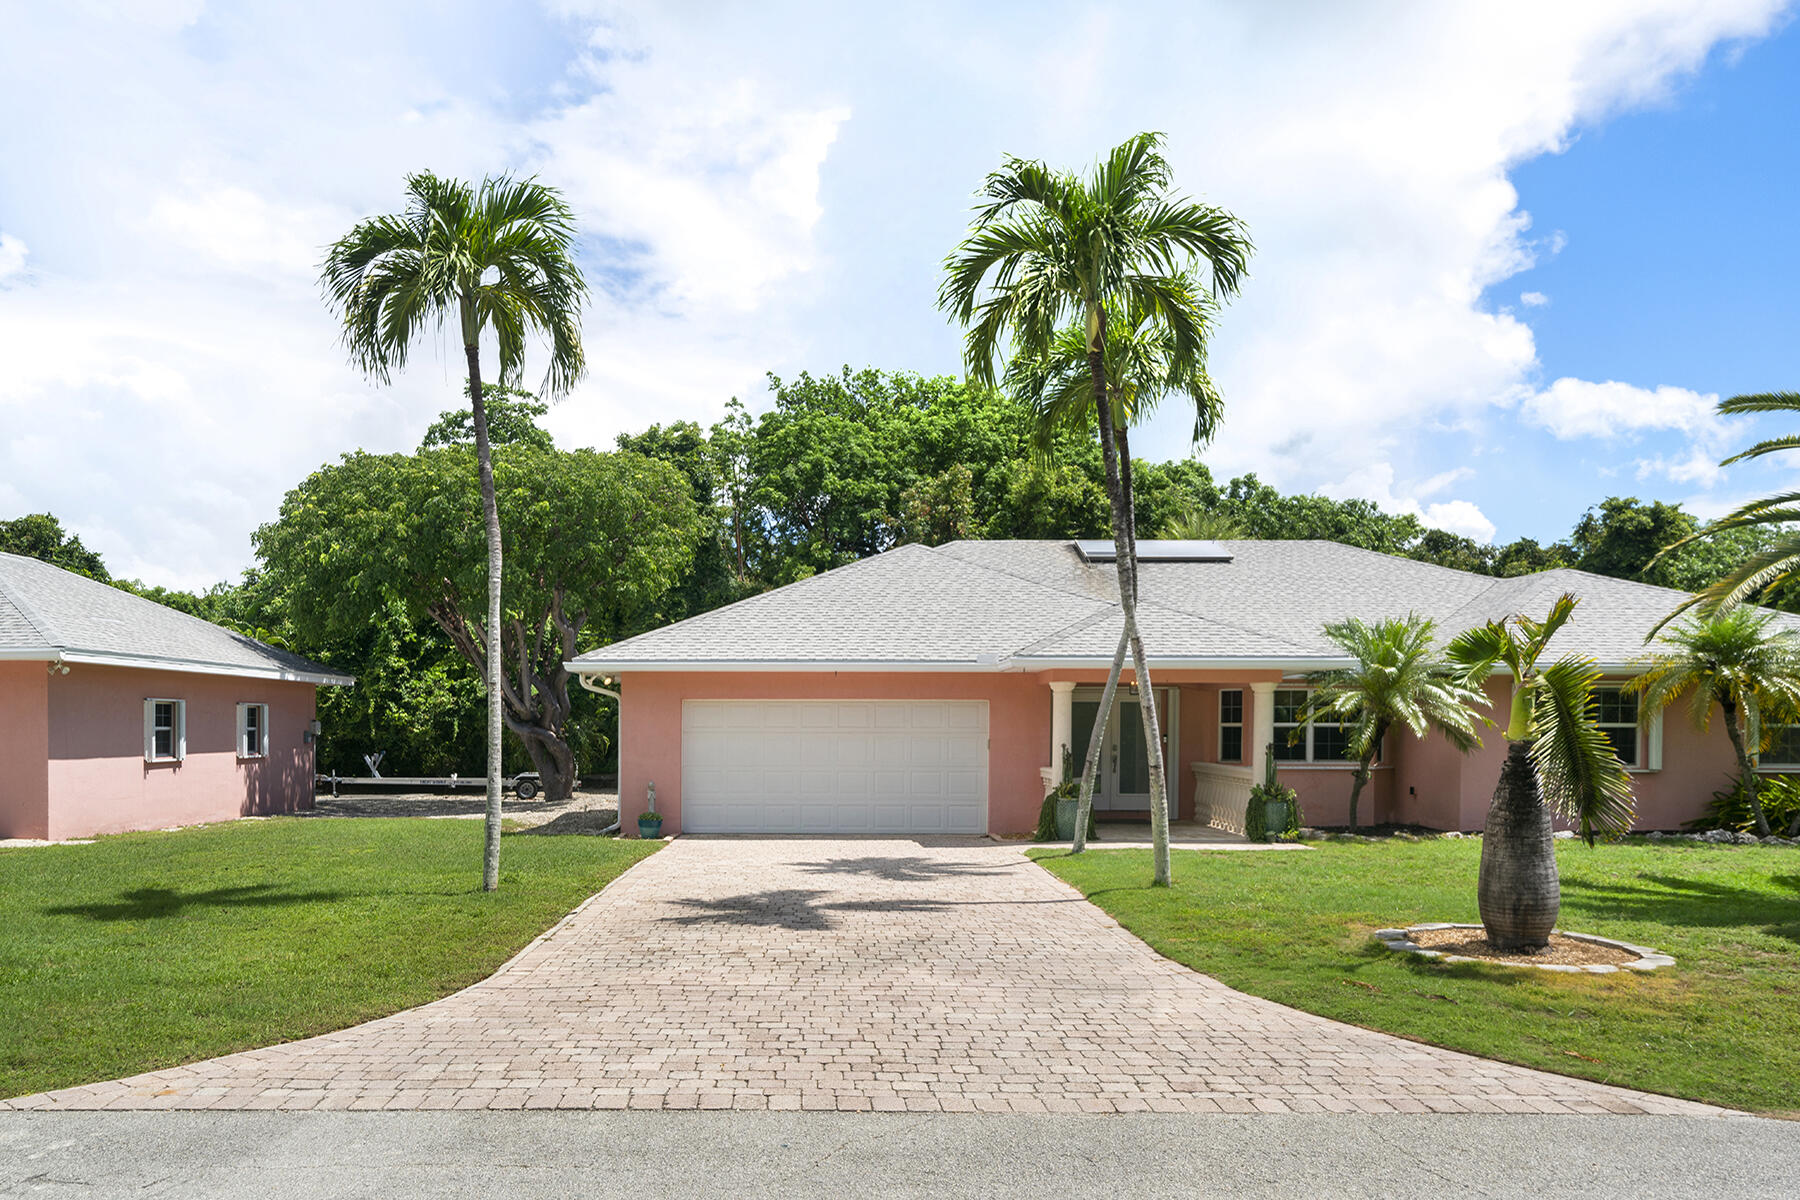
(1068, 789)
(1731, 807)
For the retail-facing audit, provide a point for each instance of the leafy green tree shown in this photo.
(1397, 680)
(1555, 755)
(595, 543)
(512, 416)
(1525, 557)
(1736, 660)
(938, 510)
(1049, 248)
(715, 577)
(498, 259)
(41, 536)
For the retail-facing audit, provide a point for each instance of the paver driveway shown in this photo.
(840, 974)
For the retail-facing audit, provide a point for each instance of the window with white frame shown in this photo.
(1784, 751)
(1616, 713)
(1231, 725)
(1322, 740)
(165, 730)
(252, 730)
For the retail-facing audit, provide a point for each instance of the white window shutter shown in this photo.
(180, 730)
(1653, 739)
(149, 731)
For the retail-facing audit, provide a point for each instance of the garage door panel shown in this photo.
(841, 766)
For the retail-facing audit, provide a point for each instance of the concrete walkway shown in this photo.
(933, 976)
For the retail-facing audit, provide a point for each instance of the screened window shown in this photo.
(1784, 751)
(253, 730)
(1231, 725)
(165, 730)
(1324, 740)
(1616, 713)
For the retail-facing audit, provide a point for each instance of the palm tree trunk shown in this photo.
(1357, 783)
(490, 508)
(1746, 768)
(1519, 892)
(1126, 562)
(1091, 769)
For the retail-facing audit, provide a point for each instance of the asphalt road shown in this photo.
(527, 1155)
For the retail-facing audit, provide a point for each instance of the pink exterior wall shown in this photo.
(24, 750)
(1423, 781)
(100, 783)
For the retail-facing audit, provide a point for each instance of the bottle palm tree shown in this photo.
(499, 259)
(1143, 365)
(1555, 755)
(1779, 561)
(1048, 248)
(1731, 659)
(1396, 681)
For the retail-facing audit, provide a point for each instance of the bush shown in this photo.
(1256, 812)
(1730, 808)
(1068, 789)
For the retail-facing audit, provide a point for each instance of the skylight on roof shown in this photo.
(1101, 550)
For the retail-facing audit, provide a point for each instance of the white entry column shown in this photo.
(1262, 724)
(1062, 723)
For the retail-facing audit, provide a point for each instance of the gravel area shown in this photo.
(1560, 950)
(589, 810)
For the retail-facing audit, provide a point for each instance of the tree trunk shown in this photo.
(552, 759)
(1363, 766)
(1091, 768)
(1126, 562)
(1746, 768)
(490, 864)
(1519, 892)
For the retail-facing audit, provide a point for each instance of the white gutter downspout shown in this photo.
(581, 677)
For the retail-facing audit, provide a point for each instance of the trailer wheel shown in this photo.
(527, 789)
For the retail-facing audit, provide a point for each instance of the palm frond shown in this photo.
(1760, 402)
(1581, 774)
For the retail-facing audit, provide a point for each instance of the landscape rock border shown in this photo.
(1400, 941)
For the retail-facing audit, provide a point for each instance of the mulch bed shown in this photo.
(1562, 950)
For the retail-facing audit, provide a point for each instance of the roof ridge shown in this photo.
(32, 617)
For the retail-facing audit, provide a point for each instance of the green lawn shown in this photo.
(1722, 1025)
(146, 950)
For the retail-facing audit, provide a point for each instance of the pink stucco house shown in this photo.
(930, 690)
(117, 713)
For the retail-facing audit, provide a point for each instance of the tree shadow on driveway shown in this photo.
(789, 908)
(914, 868)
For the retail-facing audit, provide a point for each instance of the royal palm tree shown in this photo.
(1556, 755)
(1732, 659)
(1142, 367)
(1396, 681)
(496, 259)
(1049, 248)
(1779, 561)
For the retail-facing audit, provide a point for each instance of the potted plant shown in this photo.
(650, 821)
(1056, 819)
(1274, 809)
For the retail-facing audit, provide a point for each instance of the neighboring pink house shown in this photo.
(117, 713)
(930, 690)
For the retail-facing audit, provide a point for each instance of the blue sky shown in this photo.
(1508, 255)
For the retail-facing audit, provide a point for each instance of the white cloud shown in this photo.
(1533, 299)
(762, 188)
(12, 256)
(1571, 408)
(1375, 481)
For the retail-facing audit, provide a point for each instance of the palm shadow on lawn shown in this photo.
(1698, 903)
(140, 904)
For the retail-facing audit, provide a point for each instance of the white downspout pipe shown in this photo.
(585, 681)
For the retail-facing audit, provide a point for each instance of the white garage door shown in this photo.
(834, 766)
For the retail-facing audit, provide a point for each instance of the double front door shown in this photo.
(1124, 781)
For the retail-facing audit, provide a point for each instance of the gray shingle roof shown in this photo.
(1035, 603)
(47, 612)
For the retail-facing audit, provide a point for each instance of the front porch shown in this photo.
(1214, 725)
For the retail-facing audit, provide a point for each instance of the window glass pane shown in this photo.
(1285, 752)
(165, 743)
(1288, 705)
(1614, 707)
(1785, 750)
(1624, 743)
(1231, 743)
(1330, 743)
(1231, 707)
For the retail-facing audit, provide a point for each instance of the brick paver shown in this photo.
(860, 975)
